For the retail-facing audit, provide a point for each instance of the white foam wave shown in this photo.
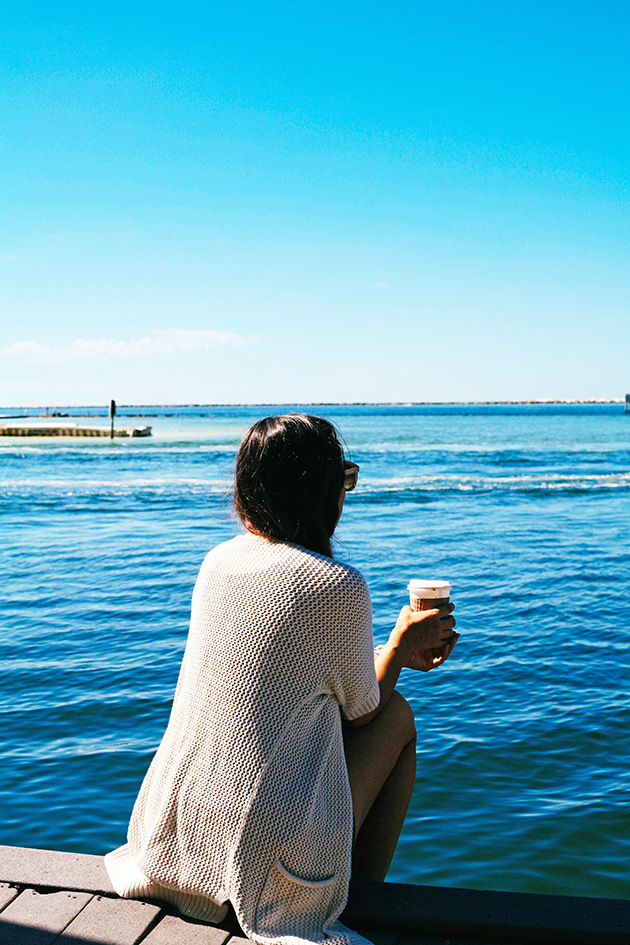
(125, 486)
(525, 482)
(222, 483)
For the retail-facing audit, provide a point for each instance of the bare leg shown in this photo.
(381, 759)
(377, 839)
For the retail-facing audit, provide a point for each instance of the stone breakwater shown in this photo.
(69, 429)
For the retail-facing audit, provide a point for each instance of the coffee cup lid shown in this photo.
(429, 589)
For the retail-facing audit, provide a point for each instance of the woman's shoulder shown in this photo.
(248, 553)
(330, 572)
(336, 568)
(261, 575)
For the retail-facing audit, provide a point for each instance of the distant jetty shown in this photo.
(68, 429)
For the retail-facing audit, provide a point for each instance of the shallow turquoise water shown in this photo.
(524, 745)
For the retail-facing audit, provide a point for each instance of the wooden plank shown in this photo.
(414, 911)
(111, 922)
(176, 930)
(26, 867)
(35, 918)
(7, 895)
(482, 915)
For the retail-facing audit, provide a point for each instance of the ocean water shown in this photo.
(523, 736)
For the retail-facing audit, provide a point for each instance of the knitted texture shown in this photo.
(247, 797)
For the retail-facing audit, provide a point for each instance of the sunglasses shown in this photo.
(350, 475)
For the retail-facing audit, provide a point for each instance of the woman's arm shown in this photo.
(420, 640)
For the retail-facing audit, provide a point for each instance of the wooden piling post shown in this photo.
(112, 414)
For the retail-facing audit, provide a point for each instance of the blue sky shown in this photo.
(283, 202)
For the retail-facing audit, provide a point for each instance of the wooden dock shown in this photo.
(67, 899)
(68, 429)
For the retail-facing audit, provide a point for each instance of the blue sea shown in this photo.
(523, 736)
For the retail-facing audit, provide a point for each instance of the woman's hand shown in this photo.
(424, 638)
(424, 660)
(420, 640)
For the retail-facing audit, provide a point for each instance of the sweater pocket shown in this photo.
(295, 906)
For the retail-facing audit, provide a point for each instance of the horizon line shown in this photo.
(542, 401)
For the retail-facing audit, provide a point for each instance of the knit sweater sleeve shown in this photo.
(348, 647)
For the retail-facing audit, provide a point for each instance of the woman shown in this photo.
(258, 791)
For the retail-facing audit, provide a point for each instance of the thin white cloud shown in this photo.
(162, 341)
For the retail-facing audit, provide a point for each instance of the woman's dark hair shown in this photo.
(289, 476)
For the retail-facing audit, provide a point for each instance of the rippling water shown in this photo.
(524, 736)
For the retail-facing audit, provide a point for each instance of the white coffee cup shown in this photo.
(427, 595)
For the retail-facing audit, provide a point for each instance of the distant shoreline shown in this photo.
(586, 401)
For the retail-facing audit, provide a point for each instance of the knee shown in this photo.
(402, 717)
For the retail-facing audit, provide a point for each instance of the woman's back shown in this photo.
(280, 641)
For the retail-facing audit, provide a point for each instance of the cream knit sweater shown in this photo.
(247, 797)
